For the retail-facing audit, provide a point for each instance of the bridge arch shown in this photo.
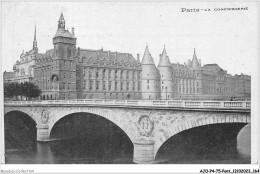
(21, 110)
(20, 129)
(128, 129)
(210, 120)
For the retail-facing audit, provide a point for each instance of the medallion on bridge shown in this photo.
(145, 125)
(45, 116)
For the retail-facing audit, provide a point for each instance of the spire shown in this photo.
(164, 59)
(61, 22)
(35, 41)
(147, 58)
(195, 62)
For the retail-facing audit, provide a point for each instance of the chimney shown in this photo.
(138, 57)
(72, 31)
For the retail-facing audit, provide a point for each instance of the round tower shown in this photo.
(150, 77)
(165, 68)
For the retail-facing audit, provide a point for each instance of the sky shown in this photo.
(228, 38)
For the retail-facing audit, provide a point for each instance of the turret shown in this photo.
(164, 59)
(150, 77)
(165, 68)
(61, 22)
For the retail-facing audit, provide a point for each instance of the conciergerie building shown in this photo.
(70, 72)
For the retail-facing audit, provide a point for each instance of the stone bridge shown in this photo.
(148, 124)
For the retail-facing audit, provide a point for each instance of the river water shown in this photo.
(77, 152)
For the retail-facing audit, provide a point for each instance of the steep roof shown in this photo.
(164, 59)
(212, 66)
(100, 57)
(147, 58)
(63, 33)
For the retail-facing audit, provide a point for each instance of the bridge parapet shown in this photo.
(141, 103)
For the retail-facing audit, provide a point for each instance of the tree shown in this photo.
(11, 90)
(7, 92)
(33, 91)
(26, 89)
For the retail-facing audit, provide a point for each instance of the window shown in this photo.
(68, 86)
(104, 85)
(90, 73)
(133, 86)
(162, 82)
(84, 84)
(122, 86)
(127, 75)
(68, 53)
(90, 84)
(64, 75)
(147, 81)
(115, 73)
(109, 85)
(116, 85)
(121, 74)
(97, 85)
(127, 87)
(147, 87)
(162, 87)
(104, 73)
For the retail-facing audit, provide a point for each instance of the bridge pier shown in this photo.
(43, 132)
(144, 151)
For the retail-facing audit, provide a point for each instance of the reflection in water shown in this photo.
(76, 151)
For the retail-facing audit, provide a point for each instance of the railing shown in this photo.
(145, 103)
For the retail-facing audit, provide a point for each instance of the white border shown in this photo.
(160, 168)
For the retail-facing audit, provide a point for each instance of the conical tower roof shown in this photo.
(61, 22)
(194, 62)
(147, 58)
(61, 17)
(164, 59)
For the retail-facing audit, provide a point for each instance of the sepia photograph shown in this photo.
(149, 82)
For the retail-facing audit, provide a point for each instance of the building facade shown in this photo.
(69, 72)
